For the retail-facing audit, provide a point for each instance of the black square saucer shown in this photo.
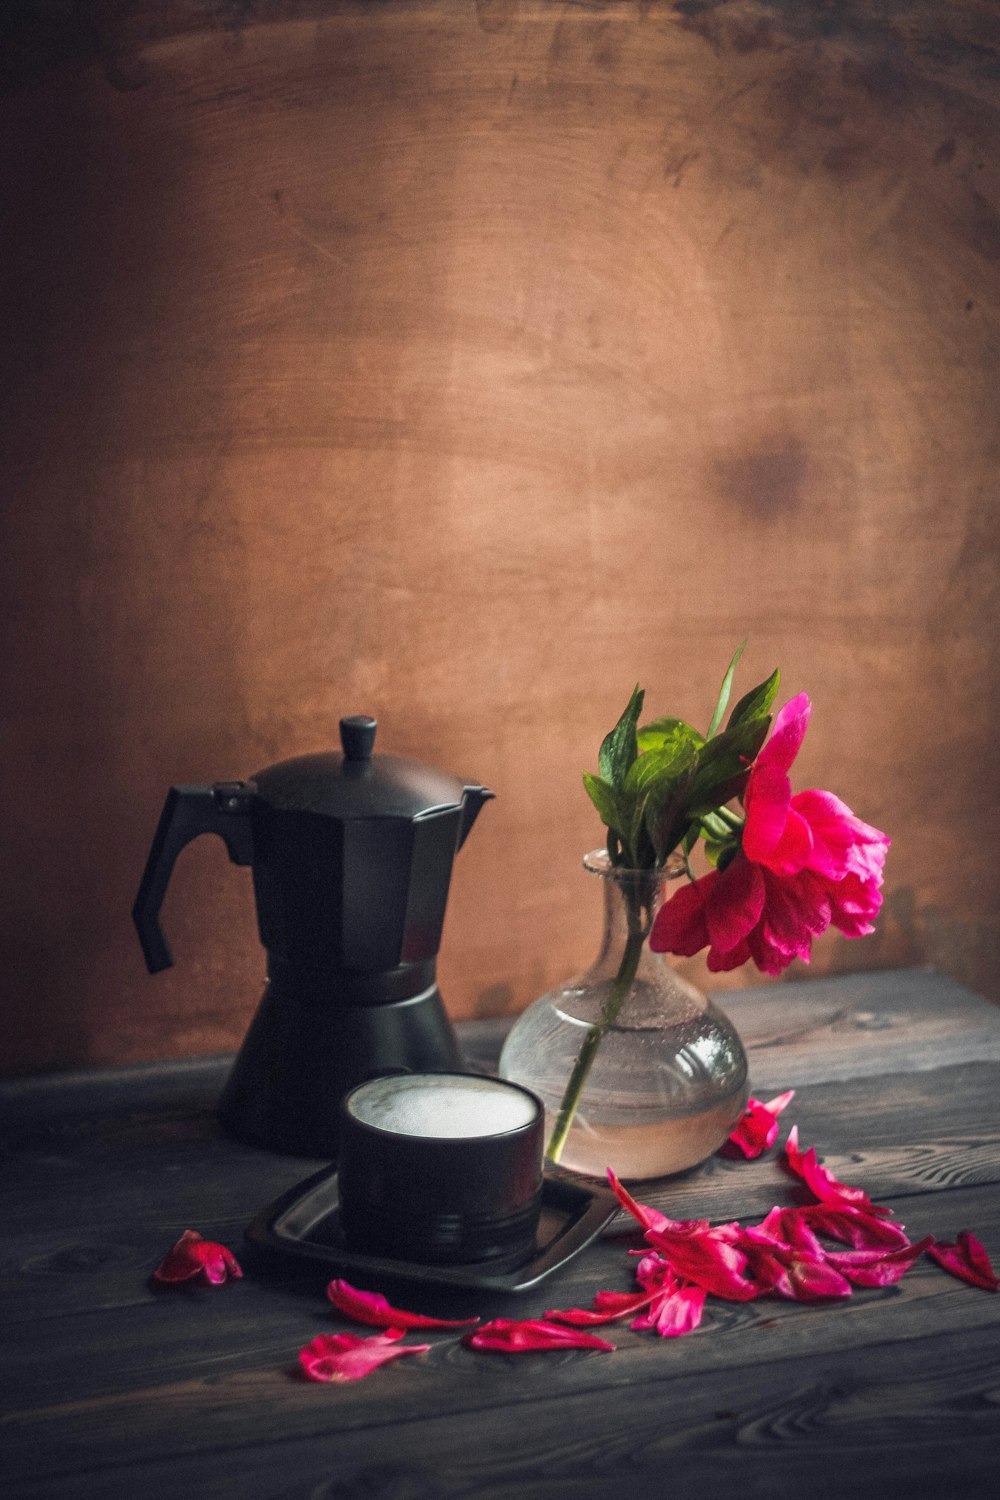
(304, 1223)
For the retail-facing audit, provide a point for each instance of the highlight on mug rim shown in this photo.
(443, 1106)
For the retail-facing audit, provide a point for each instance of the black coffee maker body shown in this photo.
(351, 857)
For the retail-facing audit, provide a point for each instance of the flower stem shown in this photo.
(609, 1014)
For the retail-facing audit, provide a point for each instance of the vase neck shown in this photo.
(631, 900)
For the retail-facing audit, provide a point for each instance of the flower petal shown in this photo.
(680, 922)
(789, 1226)
(339, 1357)
(797, 909)
(854, 905)
(709, 1260)
(608, 1308)
(651, 1218)
(842, 843)
(734, 904)
(822, 1182)
(767, 799)
(878, 1267)
(674, 1312)
(853, 1226)
(373, 1309)
(791, 853)
(722, 963)
(757, 1128)
(654, 1273)
(790, 725)
(526, 1335)
(799, 1273)
(193, 1257)
(966, 1259)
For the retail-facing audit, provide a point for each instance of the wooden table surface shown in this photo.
(111, 1389)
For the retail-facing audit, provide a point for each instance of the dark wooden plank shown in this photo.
(118, 1390)
(184, 1374)
(101, 1219)
(178, 1086)
(918, 1132)
(851, 1026)
(855, 1025)
(816, 1420)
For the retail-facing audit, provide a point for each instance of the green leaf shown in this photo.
(653, 796)
(659, 732)
(642, 855)
(605, 799)
(659, 765)
(757, 702)
(714, 850)
(724, 691)
(725, 763)
(661, 780)
(619, 748)
(666, 811)
(714, 828)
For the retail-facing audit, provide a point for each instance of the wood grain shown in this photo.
(113, 1390)
(466, 364)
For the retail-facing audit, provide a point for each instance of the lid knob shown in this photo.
(357, 735)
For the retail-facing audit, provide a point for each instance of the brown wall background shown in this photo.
(465, 364)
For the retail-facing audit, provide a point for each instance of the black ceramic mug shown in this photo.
(441, 1169)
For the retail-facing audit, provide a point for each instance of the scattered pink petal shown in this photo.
(822, 1182)
(648, 1218)
(349, 1356)
(654, 1273)
(525, 1336)
(674, 1312)
(709, 1260)
(878, 1267)
(373, 1309)
(853, 1226)
(757, 1128)
(195, 1258)
(967, 1260)
(800, 1275)
(608, 1308)
(789, 1226)
(651, 1218)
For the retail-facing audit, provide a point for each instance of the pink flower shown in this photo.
(805, 862)
(348, 1356)
(373, 1309)
(966, 1259)
(194, 1258)
(530, 1335)
(757, 1128)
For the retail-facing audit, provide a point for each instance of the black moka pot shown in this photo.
(351, 857)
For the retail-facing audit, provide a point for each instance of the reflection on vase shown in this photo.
(660, 1072)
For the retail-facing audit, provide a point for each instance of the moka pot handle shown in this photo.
(188, 811)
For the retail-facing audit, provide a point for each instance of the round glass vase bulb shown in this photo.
(667, 1077)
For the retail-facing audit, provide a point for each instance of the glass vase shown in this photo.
(638, 1070)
